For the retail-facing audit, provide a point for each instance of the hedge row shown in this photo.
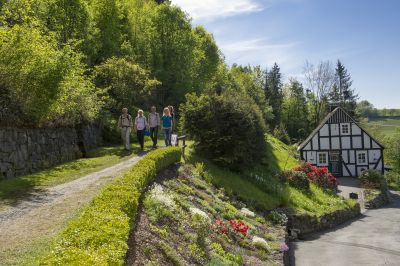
(99, 235)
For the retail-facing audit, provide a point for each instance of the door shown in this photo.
(335, 163)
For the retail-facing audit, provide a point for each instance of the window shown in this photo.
(322, 158)
(345, 129)
(362, 158)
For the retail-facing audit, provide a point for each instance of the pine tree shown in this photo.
(342, 92)
(274, 94)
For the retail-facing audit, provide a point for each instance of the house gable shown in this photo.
(349, 149)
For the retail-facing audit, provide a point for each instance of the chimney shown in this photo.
(333, 106)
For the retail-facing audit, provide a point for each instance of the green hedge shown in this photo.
(99, 235)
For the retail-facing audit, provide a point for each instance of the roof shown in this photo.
(338, 115)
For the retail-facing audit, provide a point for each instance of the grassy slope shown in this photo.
(12, 190)
(271, 193)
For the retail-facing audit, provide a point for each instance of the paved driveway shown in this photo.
(372, 239)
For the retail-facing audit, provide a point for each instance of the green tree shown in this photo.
(341, 92)
(295, 111)
(126, 83)
(251, 81)
(47, 83)
(274, 94)
(229, 129)
(366, 109)
(70, 19)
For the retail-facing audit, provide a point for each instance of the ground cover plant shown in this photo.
(99, 234)
(187, 221)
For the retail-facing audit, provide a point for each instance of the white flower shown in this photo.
(246, 212)
(199, 212)
(158, 194)
(260, 242)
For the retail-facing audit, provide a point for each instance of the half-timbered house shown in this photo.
(343, 146)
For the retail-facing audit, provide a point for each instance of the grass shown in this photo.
(12, 190)
(260, 188)
(386, 126)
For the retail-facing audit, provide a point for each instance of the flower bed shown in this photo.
(99, 235)
(319, 176)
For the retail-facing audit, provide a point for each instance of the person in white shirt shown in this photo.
(125, 124)
(140, 127)
(154, 124)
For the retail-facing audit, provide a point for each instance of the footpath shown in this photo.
(36, 220)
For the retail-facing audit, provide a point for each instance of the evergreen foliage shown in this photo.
(229, 128)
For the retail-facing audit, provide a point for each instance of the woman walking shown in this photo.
(167, 126)
(140, 127)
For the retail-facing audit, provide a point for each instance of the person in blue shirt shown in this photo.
(167, 126)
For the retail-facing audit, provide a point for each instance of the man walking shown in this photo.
(125, 124)
(154, 124)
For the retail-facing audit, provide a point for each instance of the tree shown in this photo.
(273, 93)
(228, 129)
(251, 81)
(319, 81)
(47, 83)
(366, 109)
(126, 83)
(295, 111)
(341, 92)
(70, 19)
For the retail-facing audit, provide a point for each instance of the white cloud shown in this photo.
(207, 10)
(263, 52)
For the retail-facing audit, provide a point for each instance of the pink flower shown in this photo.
(284, 247)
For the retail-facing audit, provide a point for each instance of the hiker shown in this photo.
(167, 126)
(172, 114)
(125, 124)
(140, 127)
(154, 124)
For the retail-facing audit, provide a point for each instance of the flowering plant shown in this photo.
(319, 176)
(231, 228)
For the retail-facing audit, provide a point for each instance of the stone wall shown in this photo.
(24, 150)
(305, 224)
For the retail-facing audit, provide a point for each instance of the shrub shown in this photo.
(228, 129)
(99, 235)
(278, 217)
(319, 176)
(372, 179)
(296, 179)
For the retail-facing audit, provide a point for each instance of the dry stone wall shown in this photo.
(27, 150)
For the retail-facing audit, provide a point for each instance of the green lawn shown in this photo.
(12, 190)
(385, 126)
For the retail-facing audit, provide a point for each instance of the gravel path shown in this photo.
(43, 214)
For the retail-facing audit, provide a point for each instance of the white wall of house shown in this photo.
(359, 152)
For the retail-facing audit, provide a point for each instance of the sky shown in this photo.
(363, 34)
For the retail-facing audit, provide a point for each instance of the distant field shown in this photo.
(386, 126)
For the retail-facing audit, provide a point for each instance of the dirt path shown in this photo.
(44, 214)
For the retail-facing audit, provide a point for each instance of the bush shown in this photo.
(229, 129)
(372, 179)
(319, 176)
(99, 235)
(296, 179)
(278, 218)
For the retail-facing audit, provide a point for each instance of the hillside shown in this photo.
(185, 220)
(200, 214)
(261, 188)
